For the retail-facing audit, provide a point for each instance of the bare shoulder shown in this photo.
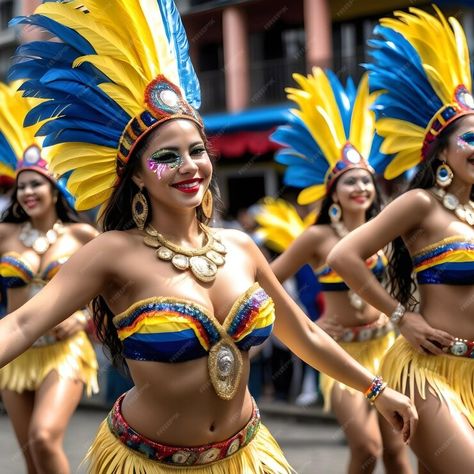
(7, 229)
(419, 201)
(233, 237)
(317, 234)
(83, 232)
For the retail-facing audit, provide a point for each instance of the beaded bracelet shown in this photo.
(375, 389)
(397, 314)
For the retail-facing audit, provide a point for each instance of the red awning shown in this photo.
(234, 145)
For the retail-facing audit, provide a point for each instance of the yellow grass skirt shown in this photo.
(72, 358)
(108, 455)
(448, 377)
(367, 353)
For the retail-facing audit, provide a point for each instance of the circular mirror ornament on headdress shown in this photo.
(163, 98)
(350, 154)
(31, 156)
(464, 98)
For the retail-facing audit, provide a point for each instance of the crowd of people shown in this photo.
(105, 116)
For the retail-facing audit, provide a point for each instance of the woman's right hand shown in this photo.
(399, 411)
(422, 336)
(334, 329)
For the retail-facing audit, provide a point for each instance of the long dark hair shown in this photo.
(117, 215)
(15, 214)
(400, 268)
(323, 215)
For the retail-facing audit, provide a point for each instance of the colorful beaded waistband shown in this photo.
(180, 456)
(367, 332)
(462, 348)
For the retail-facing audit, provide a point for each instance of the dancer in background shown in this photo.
(426, 118)
(180, 303)
(328, 148)
(39, 231)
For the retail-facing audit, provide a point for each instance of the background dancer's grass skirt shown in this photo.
(72, 358)
(448, 377)
(367, 353)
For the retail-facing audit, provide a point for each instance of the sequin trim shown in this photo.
(180, 456)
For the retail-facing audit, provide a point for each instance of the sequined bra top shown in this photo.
(331, 281)
(16, 271)
(449, 261)
(166, 329)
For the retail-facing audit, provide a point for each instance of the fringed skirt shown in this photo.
(72, 358)
(367, 353)
(448, 377)
(118, 449)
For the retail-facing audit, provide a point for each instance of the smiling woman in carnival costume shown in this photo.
(39, 231)
(426, 118)
(328, 148)
(180, 303)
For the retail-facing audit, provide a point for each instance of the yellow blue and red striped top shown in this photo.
(449, 261)
(16, 271)
(165, 329)
(331, 281)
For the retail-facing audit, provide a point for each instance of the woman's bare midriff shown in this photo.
(450, 308)
(338, 309)
(175, 403)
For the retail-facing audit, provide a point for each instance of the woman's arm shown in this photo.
(300, 252)
(80, 279)
(315, 347)
(400, 218)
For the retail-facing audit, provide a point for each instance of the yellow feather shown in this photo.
(311, 194)
(124, 98)
(404, 161)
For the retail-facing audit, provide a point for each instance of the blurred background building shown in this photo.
(245, 52)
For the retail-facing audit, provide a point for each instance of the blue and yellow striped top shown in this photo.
(449, 261)
(331, 281)
(16, 271)
(167, 329)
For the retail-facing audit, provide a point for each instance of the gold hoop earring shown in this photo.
(139, 209)
(444, 175)
(335, 212)
(207, 204)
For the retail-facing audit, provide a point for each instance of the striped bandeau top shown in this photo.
(16, 271)
(166, 329)
(449, 261)
(332, 281)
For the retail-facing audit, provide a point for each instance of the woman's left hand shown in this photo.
(399, 411)
(69, 327)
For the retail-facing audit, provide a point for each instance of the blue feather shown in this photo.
(7, 155)
(343, 101)
(67, 35)
(53, 126)
(178, 41)
(78, 136)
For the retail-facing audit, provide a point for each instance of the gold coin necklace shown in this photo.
(202, 262)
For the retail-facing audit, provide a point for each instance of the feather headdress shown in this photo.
(331, 131)
(421, 67)
(114, 75)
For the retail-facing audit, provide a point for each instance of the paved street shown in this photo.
(315, 446)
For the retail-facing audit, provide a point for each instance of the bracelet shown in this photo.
(375, 389)
(398, 314)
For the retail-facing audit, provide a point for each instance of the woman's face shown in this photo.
(355, 191)
(459, 154)
(175, 167)
(34, 194)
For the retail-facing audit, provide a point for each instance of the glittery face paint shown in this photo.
(164, 160)
(465, 141)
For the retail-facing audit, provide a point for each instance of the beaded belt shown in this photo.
(462, 348)
(366, 332)
(184, 456)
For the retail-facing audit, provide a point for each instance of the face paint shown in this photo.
(465, 141)
(163, 160)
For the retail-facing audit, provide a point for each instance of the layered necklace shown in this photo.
(37, 240)
(464, 212)
(202, 262)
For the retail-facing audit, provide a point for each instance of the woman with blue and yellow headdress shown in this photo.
(39, 230)
(328, 149)
(425, 116)
(180, 303)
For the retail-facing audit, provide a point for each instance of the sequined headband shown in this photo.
(350, 159)
(463, 105)
(164, 102)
